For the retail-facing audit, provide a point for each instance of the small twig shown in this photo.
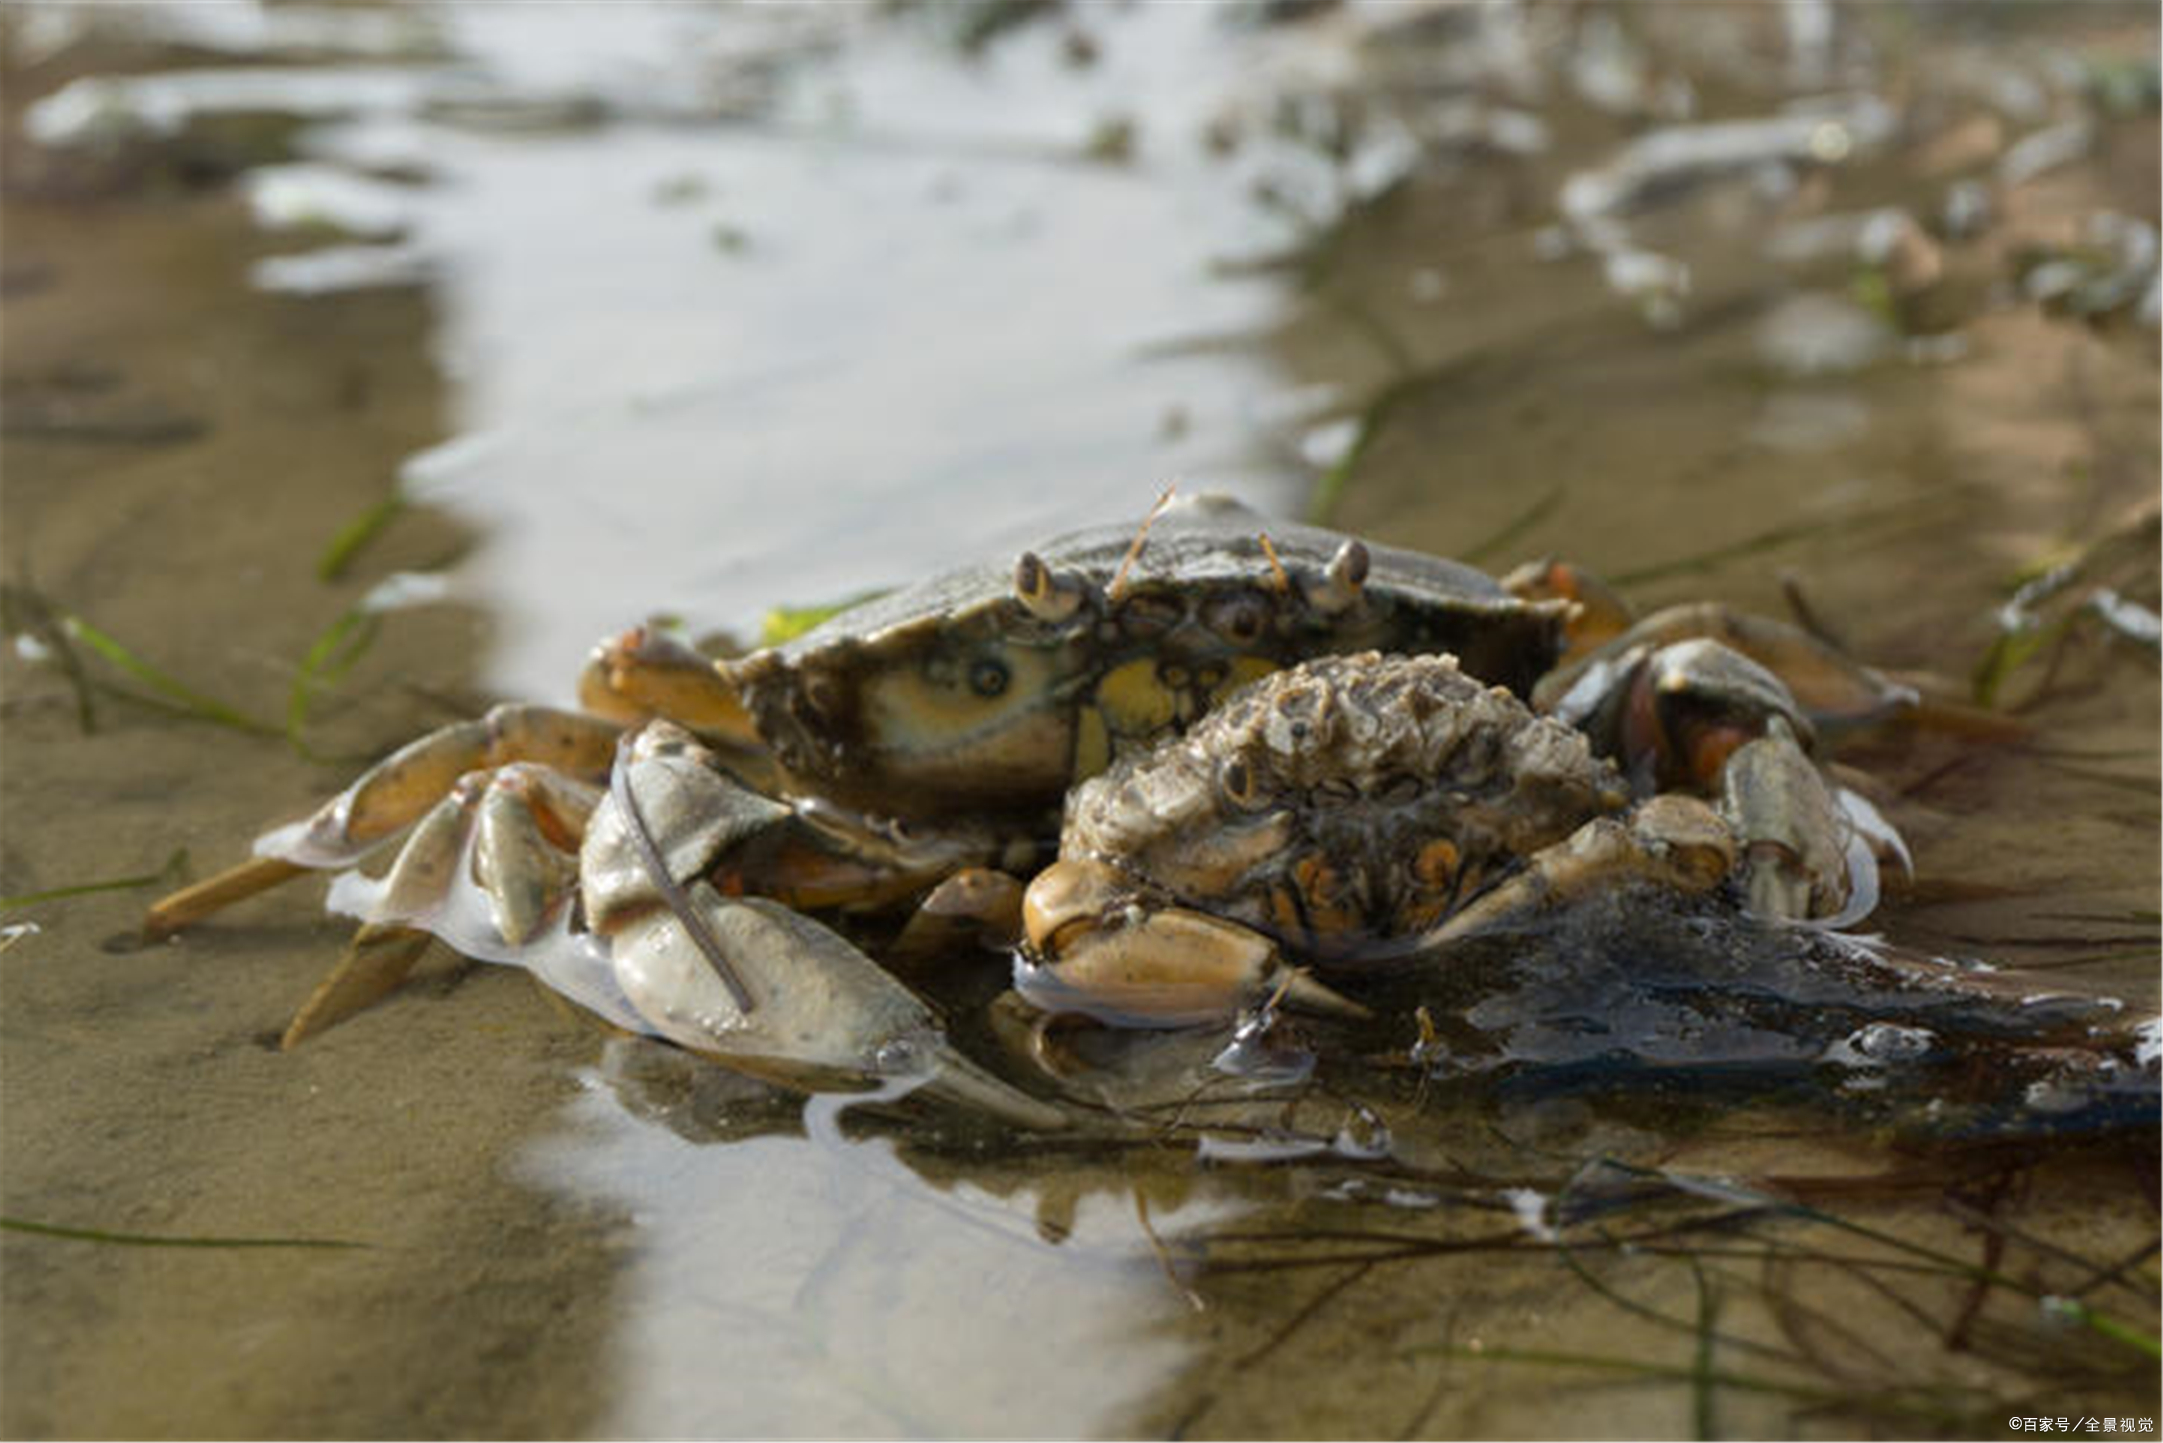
(672, 895)
(1164, 1254)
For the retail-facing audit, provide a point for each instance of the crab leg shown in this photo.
(192, 903)
(1835, 691)
(375, 964)
(400, 788)
(976, 906)
(380, 955)
(1800, 856)
(1702, 715)
(510, 836)
(645, 673)
(526, 836)
(391, 795)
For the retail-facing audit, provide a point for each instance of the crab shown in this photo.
(653, 854)
(1394, 827)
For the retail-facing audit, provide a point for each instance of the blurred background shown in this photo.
(366, 362)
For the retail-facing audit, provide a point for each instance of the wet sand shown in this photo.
(144, 1092)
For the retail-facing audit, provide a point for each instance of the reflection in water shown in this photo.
(1351, 1257)
(782, 360)
(814, 1286)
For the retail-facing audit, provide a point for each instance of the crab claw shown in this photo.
(748, 981)
(824, 1015)
(1108, 954)
(1671, 841)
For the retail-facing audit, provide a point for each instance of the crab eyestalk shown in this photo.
(1097, 947)
(1338, 587)
(1049, 594)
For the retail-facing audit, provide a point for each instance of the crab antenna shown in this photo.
(1118, 589)
(1281, 579)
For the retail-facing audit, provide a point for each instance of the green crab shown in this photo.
(652, 855)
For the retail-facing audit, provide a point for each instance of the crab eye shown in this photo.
(1236, 779)
(1239, 618)
(988, 676)
(1146, 617)
(821, 695)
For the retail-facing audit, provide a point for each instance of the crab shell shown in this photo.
(990, 691)
(1336, 812)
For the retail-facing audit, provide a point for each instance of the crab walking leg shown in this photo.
(645, 673)
(405, 784)
(486, 870)
(1834, 690)
(391, 795)
(192, 903)
(1704, 715)
(1799, 855)
(525, 845)
(382, 953)
(375, 964)
(975, 907)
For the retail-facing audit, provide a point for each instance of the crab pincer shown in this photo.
(746, 979)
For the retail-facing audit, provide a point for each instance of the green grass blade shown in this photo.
(178, 693)
(1689, 1373)
(1515, 528)
(160, 1240)
(1727, 1189)
(330, 656)
(1329, 490)
(24, 611)
(2073, 1310)
(173, 867)
(355, 534)
(1704, 1378)
(786, 623)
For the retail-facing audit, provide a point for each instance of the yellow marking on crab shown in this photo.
(1092, 744)
(921, 709)
(1134, 702)
(1434, 870)
(1332, 902)
(1242, 670)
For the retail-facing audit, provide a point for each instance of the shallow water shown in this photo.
(949, 304)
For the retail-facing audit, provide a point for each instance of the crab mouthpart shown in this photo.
(1096, 948)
